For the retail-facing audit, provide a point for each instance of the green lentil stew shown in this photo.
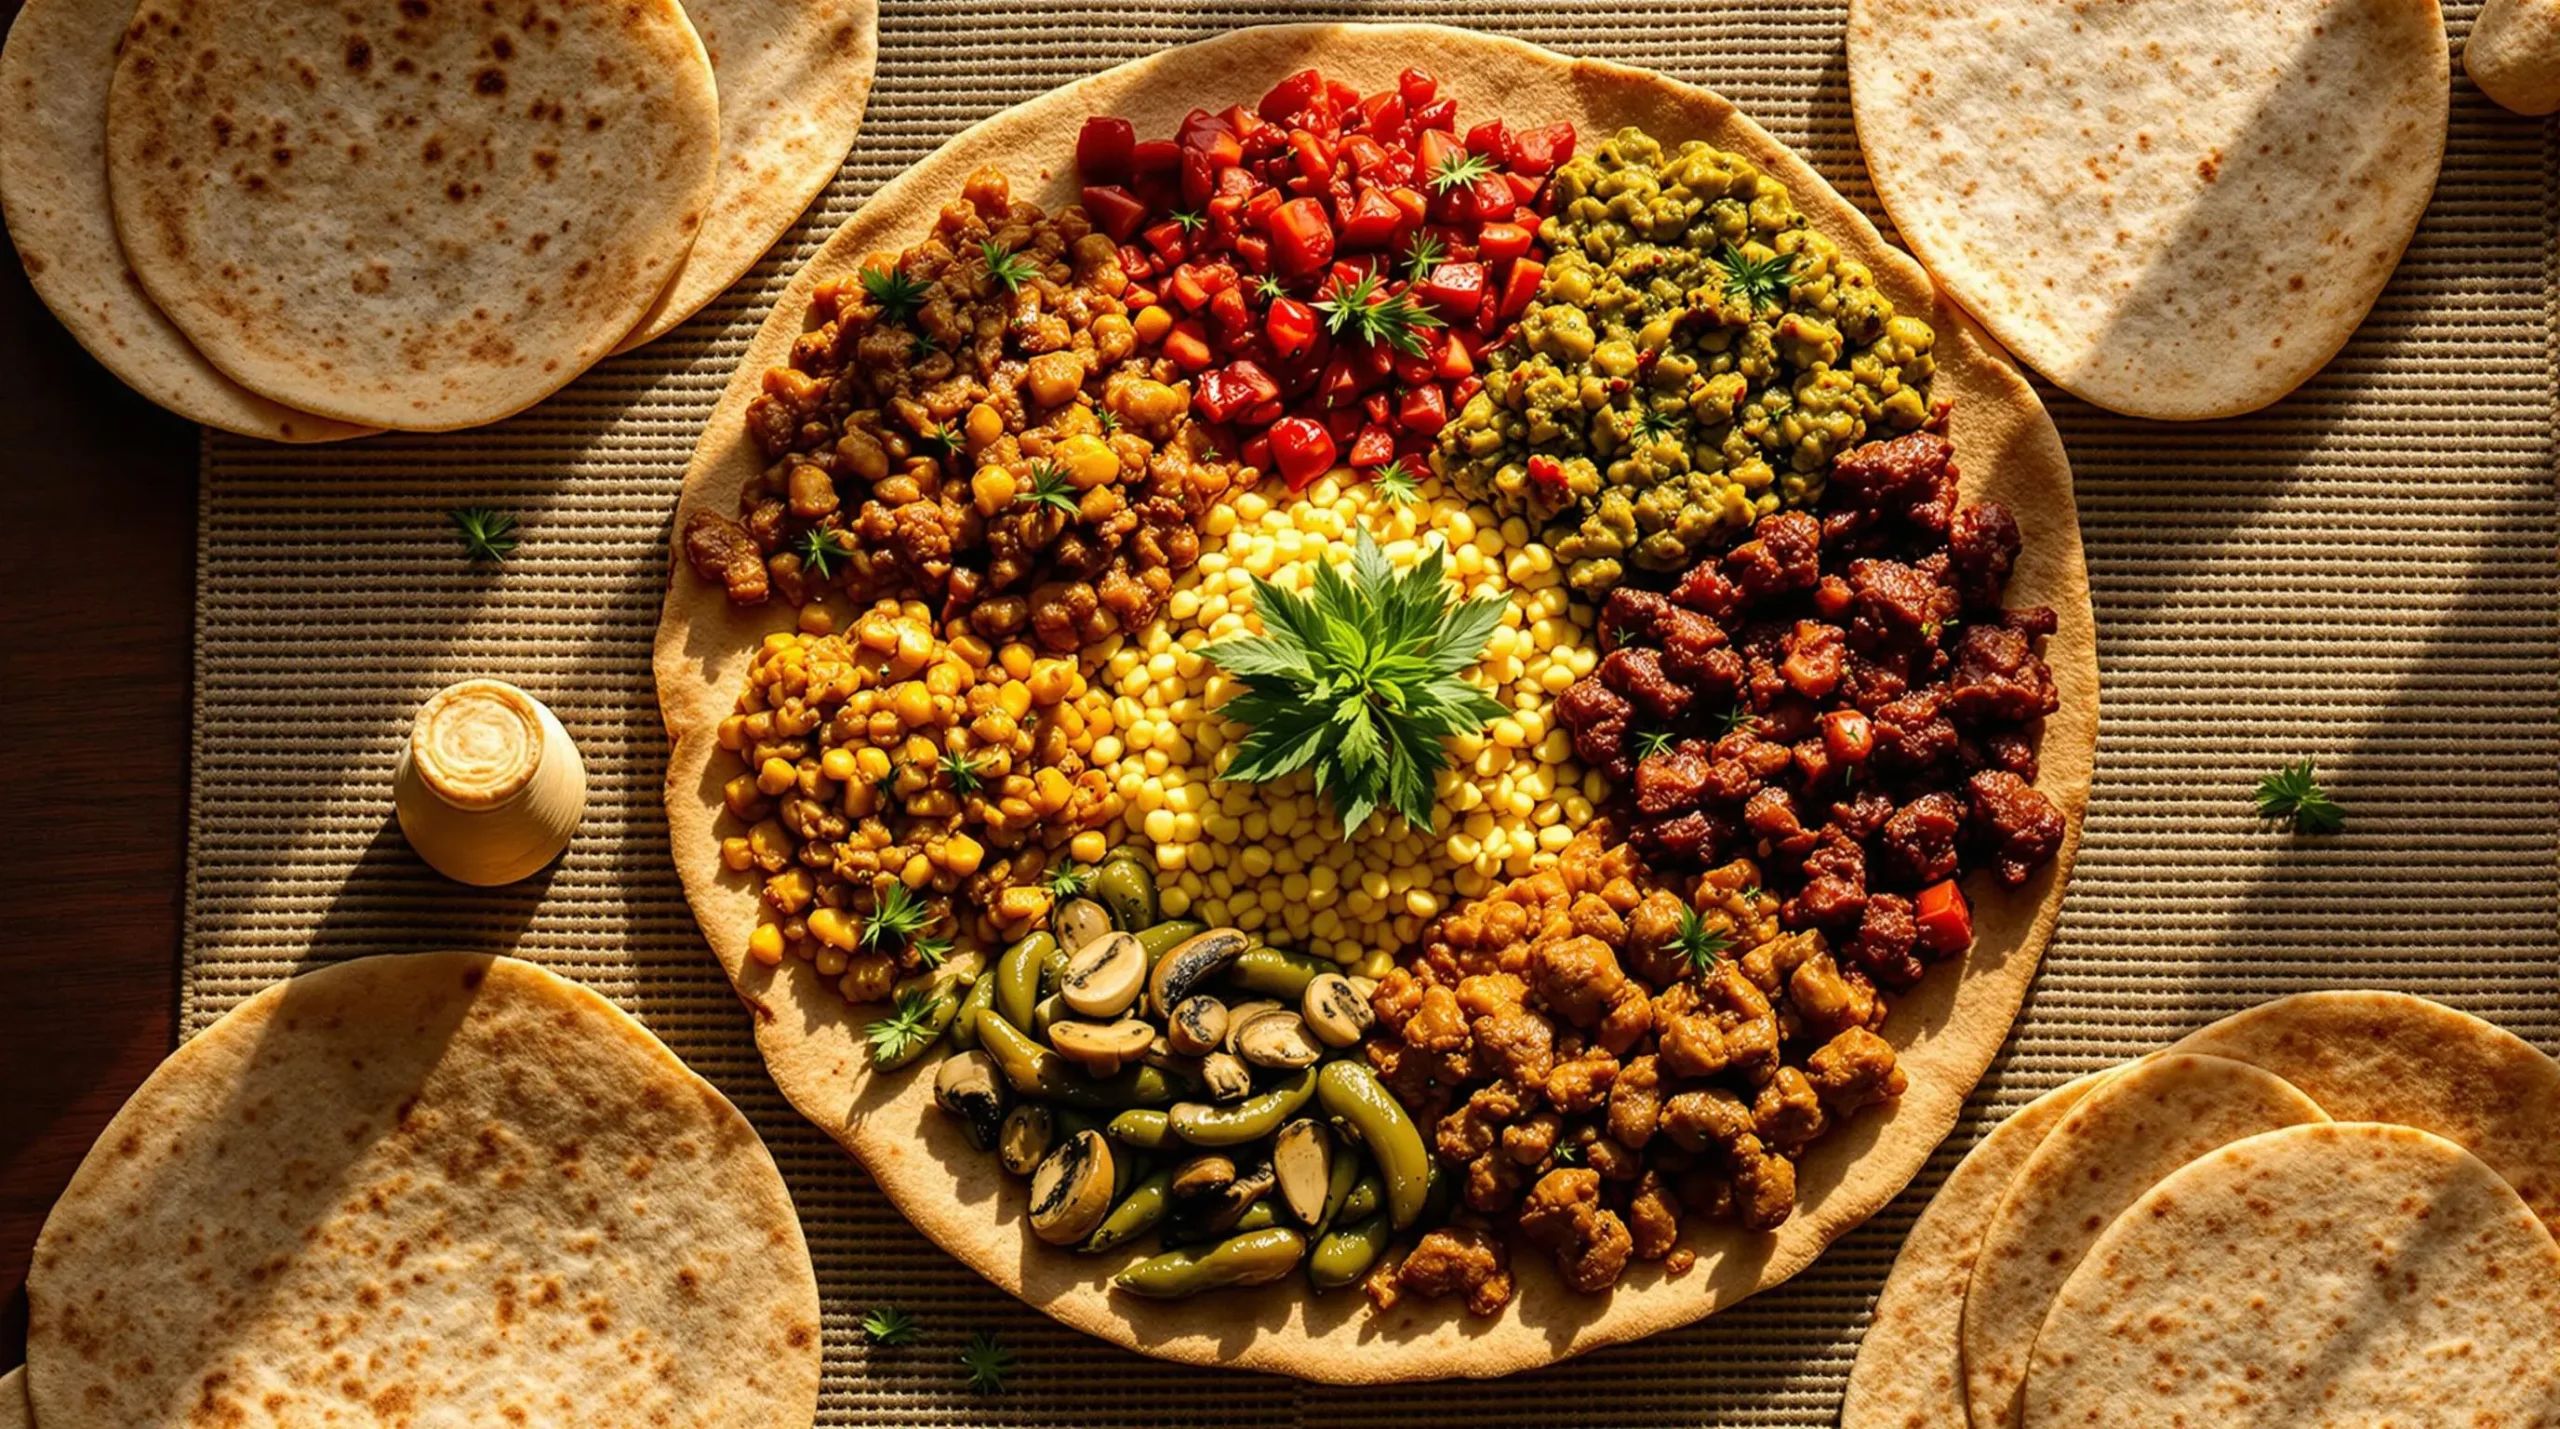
(1695, 358)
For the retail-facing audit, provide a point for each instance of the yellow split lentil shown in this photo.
(1271, 858)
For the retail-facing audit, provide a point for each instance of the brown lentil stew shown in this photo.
(972, 421)
(1599, 1053)
(1843, 697)
(886, 755)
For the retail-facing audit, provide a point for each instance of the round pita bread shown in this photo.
(14, 1413)
(2148, 1120)
(794, 75)
(1946, 1031)
(436, 1189)
(53, 188)
(2177, 208)
(2387, 1056)
(2351, 1276)
(421, 214)
(1909, 1372)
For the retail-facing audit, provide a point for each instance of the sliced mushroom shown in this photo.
(1220, 1214)
(1196, 1025)
(1302, 1159)
(1188, 965)
(1105, 976)
(1071, 1189)
(1078, 922)
(1101, 1047)
(1278, 1039)
(1336, 1011)
(1225, 1078)
(968, 1087)
(1202, 1175)
(1244, 1012)
(1025, 1138)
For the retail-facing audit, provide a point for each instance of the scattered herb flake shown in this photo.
(1396, 482)
(893, 1037)
(898, 913)
(1356, 310)
(1758, 282)
(1049, 487)
(820, 548)
(1426, 254)
(1459, 170)
(1064, 880)
(987, 1362)
(1701, 945)
(962, 771)
(1008, 267)
(1653, 742)
(889, 1325)
(1189, 222)
(486, 535)
(894, 292)
(2293, 793)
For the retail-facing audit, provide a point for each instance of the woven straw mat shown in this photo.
(2364, 574)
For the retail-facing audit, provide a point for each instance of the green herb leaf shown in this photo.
(486, 535)
(962, 771)
(1007, 267)
(1268, 289)
(987, 1362)
(1426, 254)
(1358, 312)
(1568, 1153)
(1107, 419)
(2293, 793)
(924, 346)
(898, 913)
(1358, 682)
(895, 293)
(1655, 425)
(942, 439)
(1460, 169)
(889, 1325)
(1653, 742)
(1395, 481)
(1739, 717)
(820, 548)
(1190, 222)
(902, 1031)
(1064, 880)
(1049, 487)
(1758, 282)
(1700, 944)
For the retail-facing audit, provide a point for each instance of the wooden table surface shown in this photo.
(98, 520)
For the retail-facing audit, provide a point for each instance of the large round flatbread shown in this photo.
(794, 75)
(433, 1189)
(2145, 1122)
(1946, 1031)
(53, 187)
(14, 1413)
(421, 214)
(2172, 208)
(2351, 1276)
(1909, 1372)
(2387, 1056)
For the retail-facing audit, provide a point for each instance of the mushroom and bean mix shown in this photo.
(1669, 782)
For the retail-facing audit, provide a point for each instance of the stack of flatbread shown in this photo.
(308, 222)
(435, 1189)
(2332, 1210)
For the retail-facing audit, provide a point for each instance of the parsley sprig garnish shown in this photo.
(1189, 222)
(1360, 683)
(1267, 288)
(486, 535)
(899, 913)
(1652, 741)
(1426, 254)
(987, 1362)
(1049, 487)
(1064, 880)
(962, 771)
(1357, 311)
(903, 1030)
(896, 293)
(1701, 945)
(942, 437)
(1655, 424)
(888, 1325)
(2293, 793)
(1008, 267)
(1758, 282)
(1395, 481)
(1459, 169)
(820, 548)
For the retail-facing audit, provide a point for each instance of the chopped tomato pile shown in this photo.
(1328, 267)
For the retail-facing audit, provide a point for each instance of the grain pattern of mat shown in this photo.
(2363, 574)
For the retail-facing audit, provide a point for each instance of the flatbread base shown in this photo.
(1946, 1031)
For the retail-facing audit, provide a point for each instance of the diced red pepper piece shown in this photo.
(1291, 326)
(1169, 241)
(1303, 449)
(1547, 472)
(1341, 381)
(1253, 250)
(1155, 156)
(1367, 155)
(1433, 150)
(1454, 290)
(1520, 286)
(1372, 221)
(1502, 242)
(1301, 236)
(1375, 446)
(1537, 151)
(1416, 88)
(1415, 203)
(1114, 210)
(1257, 451)
(1492, 199)
(1440, 114)
(1199, 178)
(1342, 97)
(1291, 95)
(1489, 140)
(1377, 406)
(1188, 345)
(1257, 209)
(1242, 122)
(1383, 112)
(1184, 287)
(1425, 409)
(1311, 156)
(1945, 920)
(1454, 361)
(1103, 149)
(1225, 393)
(1467, 388)
(1228, 309)
(1523, 187)
(1415, 368)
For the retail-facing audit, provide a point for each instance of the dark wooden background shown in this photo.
(97, 553)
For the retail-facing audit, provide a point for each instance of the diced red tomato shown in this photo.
(1155, 156)
(1313, 158)
(1303, 449)
(1490, 140)
(1520, 285)
(1383, 112)
(1454, 361)
(1416, 88)
(1537, 151)
(1292, 95)
(1114, 210)
(1502, 242)
(1169, 241)
(1491, 199)
(1223, 393)
(1375, 446)
(1547, 472)
(1454, 290)
(1301, 236)
(1435, 150)
(1184, 287)
(1441, 114)
(1377, 406)
(1945, 920)
(1188, 345)
(1291, 326)
(1425, 409)
(1367, 155)
(1257, 451)
(1228, 308)
(1103, 149)
(1372, 222)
